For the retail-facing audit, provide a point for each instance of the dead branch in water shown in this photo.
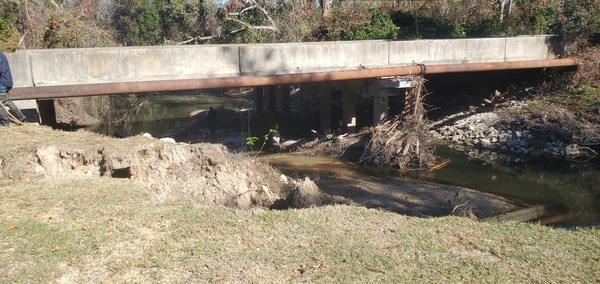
(336, 146)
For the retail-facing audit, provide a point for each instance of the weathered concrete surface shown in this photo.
(118, 64)
(20, 68)
(286, 58)
(137, 64)
(532, 48)
(451, 51)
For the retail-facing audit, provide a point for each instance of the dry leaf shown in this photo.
(10, 228)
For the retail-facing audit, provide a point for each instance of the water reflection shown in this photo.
(574, 186)
(161, 113)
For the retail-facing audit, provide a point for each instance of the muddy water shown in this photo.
(312, 166)
(572, 187)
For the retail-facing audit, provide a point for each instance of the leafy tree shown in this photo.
(185, 19)
(296, 20)
(44, 23)
(411, 27)
(8, 26)
(380, 27)
(580, 19)
(342, 20)
(544, 19)
(138, 22)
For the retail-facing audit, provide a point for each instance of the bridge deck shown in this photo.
(80, 90)
(55, 73)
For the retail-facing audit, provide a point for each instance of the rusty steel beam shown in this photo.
(81, 90)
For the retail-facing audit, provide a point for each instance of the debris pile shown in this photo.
(404, 142)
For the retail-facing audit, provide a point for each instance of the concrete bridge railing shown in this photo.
(60, 67)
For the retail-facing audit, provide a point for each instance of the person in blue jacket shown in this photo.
(6, 84)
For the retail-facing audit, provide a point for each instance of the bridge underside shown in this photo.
(352, 85)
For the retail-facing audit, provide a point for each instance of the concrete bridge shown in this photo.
(58, 73)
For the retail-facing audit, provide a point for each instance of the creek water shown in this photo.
(160, 113)
(573, 187)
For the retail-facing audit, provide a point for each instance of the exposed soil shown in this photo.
(207, 174)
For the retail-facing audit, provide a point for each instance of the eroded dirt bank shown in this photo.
(203, 173)
(209, 175)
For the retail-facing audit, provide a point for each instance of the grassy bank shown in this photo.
(108, 231)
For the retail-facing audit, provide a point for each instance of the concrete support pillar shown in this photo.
(259, 98)
(305, 92)
(285, 99)
(380, 103)
(272, 103)
(325, 107)
(30, 110)
(352, 91)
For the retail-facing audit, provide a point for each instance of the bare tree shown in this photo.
(326, 6)
(246, 15)
(238, 17)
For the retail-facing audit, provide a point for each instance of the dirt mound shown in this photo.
(306, 194)
(204, 173)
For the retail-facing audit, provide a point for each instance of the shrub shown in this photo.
(380, 27)
(138, 22)
(8, 31)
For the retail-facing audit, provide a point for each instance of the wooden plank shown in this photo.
(523, 215)
(553, 219)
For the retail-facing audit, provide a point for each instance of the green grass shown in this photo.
(107, 230)
(581, 97)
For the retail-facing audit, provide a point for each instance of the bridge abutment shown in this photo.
(30, 109)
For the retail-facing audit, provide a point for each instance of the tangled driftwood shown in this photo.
(405, 141)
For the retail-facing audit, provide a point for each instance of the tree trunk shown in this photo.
(326, 6)
(502, 3)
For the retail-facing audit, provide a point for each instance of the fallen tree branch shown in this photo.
(248, 26)
(244, 25)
